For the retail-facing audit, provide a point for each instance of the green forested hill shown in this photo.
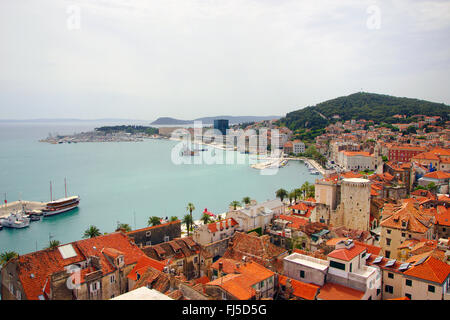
(362, 105)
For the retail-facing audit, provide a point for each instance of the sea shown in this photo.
(118, 182)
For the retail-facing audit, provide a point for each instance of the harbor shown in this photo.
(6, 210)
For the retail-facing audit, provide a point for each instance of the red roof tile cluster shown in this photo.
(347, 254)
(152, 227)
(301, 289)
(431, 269)
(35, 269)
(224, 224)
(439, 175)
(295, 222)
(334, 291)
(240, 285)
(406, 216)
(443, 216)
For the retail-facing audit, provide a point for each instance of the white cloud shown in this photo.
(150, 58)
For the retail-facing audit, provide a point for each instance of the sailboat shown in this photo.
(55, 207)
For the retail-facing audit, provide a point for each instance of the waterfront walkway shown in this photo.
(17, 205)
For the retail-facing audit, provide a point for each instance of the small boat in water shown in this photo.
(16, 220)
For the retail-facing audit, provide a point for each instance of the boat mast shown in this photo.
(51, 197)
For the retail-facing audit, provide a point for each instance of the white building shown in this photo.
(256, 216)
(215, 231)
(356, 160)
(298, 147)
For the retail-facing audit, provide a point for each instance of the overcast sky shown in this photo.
(142, 59)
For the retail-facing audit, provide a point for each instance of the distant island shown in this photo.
(210, 120)
(122, 133)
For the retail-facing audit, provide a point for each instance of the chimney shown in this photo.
(238, 265)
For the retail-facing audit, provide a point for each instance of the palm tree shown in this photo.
(123, 226)
(187, 220)
(246, 200)
(173, 219)
(206, 218)
(6, 256)
(91, 232)
(305, 187)
(234, 204)
(153, 221)
(298, 193)
(281, 193)
(190, 207)
(53, 244)
(291, 196)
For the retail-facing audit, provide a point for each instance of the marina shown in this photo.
(118, 182)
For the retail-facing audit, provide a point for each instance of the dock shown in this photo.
(17, 205)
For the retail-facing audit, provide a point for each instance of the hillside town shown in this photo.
(375, 226)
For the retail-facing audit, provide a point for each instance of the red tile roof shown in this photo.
(443, 216)
(152, 227)
(295, 221)
(431, 269)
(142, 265)
(347, 254)
(334, 291)
(440, 175)
(34, 269)
(301, 289)
(240, 284)
(224, 224)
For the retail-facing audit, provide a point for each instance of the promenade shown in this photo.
(17, 205)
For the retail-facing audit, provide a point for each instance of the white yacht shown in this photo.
(15, 220)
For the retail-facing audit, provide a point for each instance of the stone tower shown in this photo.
(355, 203)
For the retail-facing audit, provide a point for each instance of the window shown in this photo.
(378, 292)
(408, 282)
(148, 243)
(302, 274)
(148, 233)
(388, 241)
(430, 288)
(390, 275)
(166, 238)
(389, 289)
(408, 296)
(388, 254)
(112, 278)
(403, 234)
(195, 259)
(388, 231)
(337, 265)
(351, 265)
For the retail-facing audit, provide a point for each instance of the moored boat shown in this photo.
(60, 206)
(55, 207)
(16, 220)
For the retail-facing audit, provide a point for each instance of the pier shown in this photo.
(5, 210)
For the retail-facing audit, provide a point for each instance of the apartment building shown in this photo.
(215, 231)
(402, 221)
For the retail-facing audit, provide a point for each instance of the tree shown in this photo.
(187, 220)
(173, 219)
(206, 218)
(246, 200)
(190, 207)
(6, 256)
(53, 244)
(153, 221)
(432, 187)
(123, 226)
(235, 204)
(291, 196)
(281, 193)
(91, 232)
(298, 194)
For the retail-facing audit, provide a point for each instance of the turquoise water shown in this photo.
(125, 181)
